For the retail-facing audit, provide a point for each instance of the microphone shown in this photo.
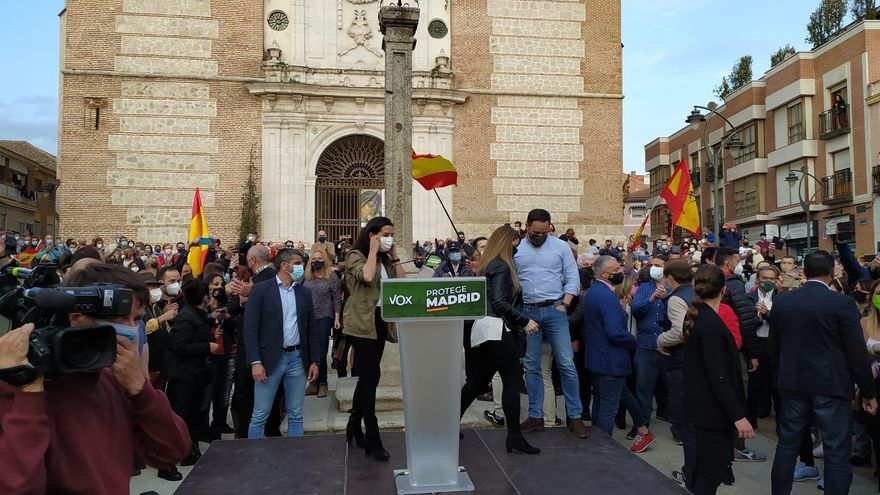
(17, 271)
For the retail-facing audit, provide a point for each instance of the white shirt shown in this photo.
(767, 299)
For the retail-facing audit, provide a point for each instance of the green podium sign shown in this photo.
(433, 299)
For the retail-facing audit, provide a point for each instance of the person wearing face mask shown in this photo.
(455, 265)
(738, 300)
(608, 341)
(327, 303)
(419, 257)
(282, 342)
(50, 250)
(649, 309)
(373, 258)
(761, 382)
(259, 269)
(324, 245)
(189, 372)
(550, 281)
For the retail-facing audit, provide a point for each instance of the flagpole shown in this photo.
(447, 212)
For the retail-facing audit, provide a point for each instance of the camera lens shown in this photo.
(87, 349)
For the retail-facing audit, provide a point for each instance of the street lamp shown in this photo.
(792, 178)
(730, 142)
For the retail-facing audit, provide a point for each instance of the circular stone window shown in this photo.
(437, 29)
(278, 20)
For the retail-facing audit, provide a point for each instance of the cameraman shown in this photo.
(80, 433)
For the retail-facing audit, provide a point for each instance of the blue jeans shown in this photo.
(647, 367)
(553, 327)
(608, 393)
(290, 370)
(833, 417)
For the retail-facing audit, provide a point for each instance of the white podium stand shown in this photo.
(430, 314)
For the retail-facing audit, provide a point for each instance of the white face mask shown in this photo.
(386, 243)
(155, 295)
(173, 289)
(738, 270)
(168, 252)
(657, 273)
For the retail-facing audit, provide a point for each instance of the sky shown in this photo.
(676, 52)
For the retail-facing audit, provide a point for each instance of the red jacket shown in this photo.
(81, 434)
(730, 319)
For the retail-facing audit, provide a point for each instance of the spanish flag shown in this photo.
(637, 237)
(679, 196)
(433, 171)
(198, 230)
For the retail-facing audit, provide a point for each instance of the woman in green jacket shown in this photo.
(373, 258)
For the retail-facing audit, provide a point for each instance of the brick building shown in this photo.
(636, 193)
(27, 189)
(788, 122)
(159, 97)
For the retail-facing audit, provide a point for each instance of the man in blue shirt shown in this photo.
(549, 277)
(649, 309)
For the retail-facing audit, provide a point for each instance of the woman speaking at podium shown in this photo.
(373, 258)
(499, 337)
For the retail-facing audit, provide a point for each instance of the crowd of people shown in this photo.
(705, 334)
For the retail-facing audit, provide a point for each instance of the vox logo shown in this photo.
(400, 300)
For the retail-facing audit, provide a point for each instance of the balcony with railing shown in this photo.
(10, 191)
(746, 204)
(838, 187)
(710, 173)
(833, 123)
(695, 178)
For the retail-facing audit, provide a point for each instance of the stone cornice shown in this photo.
(299, 89)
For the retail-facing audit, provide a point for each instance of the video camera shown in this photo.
(56, 348)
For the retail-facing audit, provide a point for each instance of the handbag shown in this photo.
(486, 328)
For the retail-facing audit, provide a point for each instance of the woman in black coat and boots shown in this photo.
(713, 388)
(189, 374)
(502, 351)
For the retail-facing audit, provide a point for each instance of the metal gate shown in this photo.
(349, 186)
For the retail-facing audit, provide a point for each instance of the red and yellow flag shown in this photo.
(198, 230)
(433, 171)
(637, 237)
(679, 196)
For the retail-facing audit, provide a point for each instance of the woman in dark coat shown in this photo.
(502, 352)
(713, 387)
(190, 372)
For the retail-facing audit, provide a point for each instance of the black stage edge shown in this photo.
(322, 464)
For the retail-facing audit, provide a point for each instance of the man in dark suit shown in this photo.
(282, 341)
(820, 351)
(257, 261)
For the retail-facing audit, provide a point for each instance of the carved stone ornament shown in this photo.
(361, 33)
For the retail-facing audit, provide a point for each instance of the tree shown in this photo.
(780, 54)
(826, 21)
(865, 9)
(250, 200)
(739, 76)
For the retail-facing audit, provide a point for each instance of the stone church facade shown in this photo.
(159, 97)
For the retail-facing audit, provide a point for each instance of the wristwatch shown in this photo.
(566, 305)
(18, 375)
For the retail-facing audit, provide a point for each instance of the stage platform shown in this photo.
(322, 464)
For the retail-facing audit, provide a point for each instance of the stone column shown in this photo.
(398, 25)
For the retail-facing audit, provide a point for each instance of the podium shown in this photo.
(430, 315)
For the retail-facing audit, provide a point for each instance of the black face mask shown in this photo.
(860, 296)
(317, 265)
(419, 264)
(216, 293)
(537, 240)
(615, 279)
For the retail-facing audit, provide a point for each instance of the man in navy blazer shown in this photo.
(607, 342)
(817, 340)
(282, 341)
